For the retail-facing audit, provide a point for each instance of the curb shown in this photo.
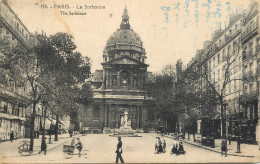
(203, 147)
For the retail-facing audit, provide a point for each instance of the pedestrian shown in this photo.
(73, 142)
(156, 145)
(70, 132)
(181, 148)
(160, 145)
(174, 147)
(119, 151)
(223, 147)
(164, 146)
(79, 146)
(43, 146)
(11, 136)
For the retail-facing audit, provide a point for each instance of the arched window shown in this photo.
(114, 80)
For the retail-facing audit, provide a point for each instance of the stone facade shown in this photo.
(13, 97)
(121, 81)
(238, 42)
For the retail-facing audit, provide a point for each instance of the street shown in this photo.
(101, 149)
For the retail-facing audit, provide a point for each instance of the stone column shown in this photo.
(105, 115)
(138, 119)
(131, 80)
(131, 112)
(108, 116)
(116, 115)
(110, 78)
(118, 79)
(107, 79)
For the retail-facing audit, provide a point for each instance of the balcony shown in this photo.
(12, 95)
(15, 29)
(249, 31)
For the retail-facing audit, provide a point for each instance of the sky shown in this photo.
(170, 29)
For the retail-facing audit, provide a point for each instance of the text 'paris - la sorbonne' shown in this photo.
(67, 7)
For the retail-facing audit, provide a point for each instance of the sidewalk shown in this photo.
(247, 150)
(10, 149)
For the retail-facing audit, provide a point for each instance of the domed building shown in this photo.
(119, 87)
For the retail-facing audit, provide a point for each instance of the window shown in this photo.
(5, 107)
(251, 66)
(135, 82)
(114, 80)
(223, 55)
(234, 46)
(251, 112)
(228, 51)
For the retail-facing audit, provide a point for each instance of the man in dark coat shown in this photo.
(12, 136)
(119, 151)
(223, 147)
(79, 146)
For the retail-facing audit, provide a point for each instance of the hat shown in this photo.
(119, 137)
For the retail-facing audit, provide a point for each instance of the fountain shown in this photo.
(125, 129)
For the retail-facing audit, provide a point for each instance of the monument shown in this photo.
(125, 129)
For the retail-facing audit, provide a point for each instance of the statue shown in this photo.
(125, 119)
(122, 121)
(129, 123)
(125, 122)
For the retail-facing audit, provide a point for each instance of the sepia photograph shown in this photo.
(129, 81)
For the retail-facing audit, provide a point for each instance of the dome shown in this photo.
(124, 36)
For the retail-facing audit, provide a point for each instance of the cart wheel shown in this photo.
(85, 154)
(67, 155)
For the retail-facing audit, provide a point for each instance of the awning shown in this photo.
(11, 117)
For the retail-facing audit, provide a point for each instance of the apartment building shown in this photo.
(13, 97)
(250, 41)
(230, 60)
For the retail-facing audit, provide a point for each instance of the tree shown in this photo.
(69, 71)
(195, 102)
(217, 89)
(161, 89)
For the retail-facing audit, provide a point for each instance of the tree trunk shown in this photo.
(56, 127)
(43, 128)
(32, 126)
(178, 127)
(194, 125)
